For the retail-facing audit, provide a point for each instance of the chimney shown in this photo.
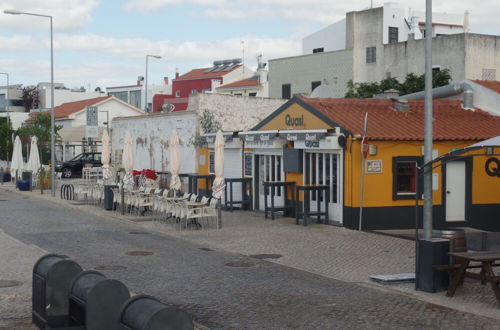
(165, 80)
(176, 73)
(140, 80)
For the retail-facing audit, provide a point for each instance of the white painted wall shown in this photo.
(62, 96)
(16, 118)
(330, 38)
(238, 74)
(151, 134)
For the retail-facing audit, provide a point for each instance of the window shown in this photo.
(286, 91)
(252, 94)
(371, 54)
(393, 34)
(135, 98)
(120, 95)
(211, 162)
(248, 161)
(436, 69)
(318, 50)
(97, 157)
(177, 93)
(489, 74)
(194, 91)
(315, 84)
(405, 184)
(238, 94)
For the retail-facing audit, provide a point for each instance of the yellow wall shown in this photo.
(203, 169)
(485, 189)
(310, 121)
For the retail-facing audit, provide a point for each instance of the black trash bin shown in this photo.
(27, 176)
(95, 301)
(146, 313)
(108, 197)
(52, 276)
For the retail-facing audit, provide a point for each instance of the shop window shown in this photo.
(248, 163)
(286, 91)
(211, 162)
(371, 55)
(405, 179)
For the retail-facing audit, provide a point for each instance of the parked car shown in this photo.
(74, 167)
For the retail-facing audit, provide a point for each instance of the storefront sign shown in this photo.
(492, 167)
(274, 143)
(294, 121)
(91, 130)
(327, 143)
(374, 166)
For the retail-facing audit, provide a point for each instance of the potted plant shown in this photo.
(44, 179)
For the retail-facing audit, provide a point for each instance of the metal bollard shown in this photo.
(52, 276)
(95, 301)
(146, 313)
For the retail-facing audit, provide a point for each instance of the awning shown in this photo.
(210, 137)
(303, 135)
(258, 136)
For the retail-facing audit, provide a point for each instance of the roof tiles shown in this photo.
(451, 121)
(202, 74)
(490, 84)
(242, 83)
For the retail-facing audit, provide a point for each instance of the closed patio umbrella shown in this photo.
(17, 163)
(218, 186)
(34, 160)
(128, 159)
(106, 155)
(175, 161)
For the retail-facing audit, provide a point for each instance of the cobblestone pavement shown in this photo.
(255, 295)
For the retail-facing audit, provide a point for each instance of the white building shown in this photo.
(135, 94)
(62, 94)
(11, 98)
(369, 45)
(72, 117)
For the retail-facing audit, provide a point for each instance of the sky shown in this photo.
(102, 43)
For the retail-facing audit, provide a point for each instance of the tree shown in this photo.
(412, 84)
(39, 125)
(5, 138)
(30, 98)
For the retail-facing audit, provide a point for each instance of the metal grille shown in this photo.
(489, 74)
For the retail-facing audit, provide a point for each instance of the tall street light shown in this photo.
(146, 84)
(52, 116)
(7, 111)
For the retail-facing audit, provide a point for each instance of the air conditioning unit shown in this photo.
(167, 107)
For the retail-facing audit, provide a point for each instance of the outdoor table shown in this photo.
(487, 259)
(305, 212)
(246, 199)
(193, 183)
(272, 186)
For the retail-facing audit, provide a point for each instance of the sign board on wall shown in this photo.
(91, 130)
(374, 166)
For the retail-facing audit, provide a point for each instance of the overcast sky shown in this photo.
(104, 42)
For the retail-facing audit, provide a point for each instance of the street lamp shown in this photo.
(7, 111)
(52, 116)
(146, 84)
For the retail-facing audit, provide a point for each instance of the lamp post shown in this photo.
(146, 84)
(7, 111)
(52, 116)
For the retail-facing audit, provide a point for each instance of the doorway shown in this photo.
(269, 168)
(456, 191)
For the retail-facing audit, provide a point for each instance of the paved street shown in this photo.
(256, 294)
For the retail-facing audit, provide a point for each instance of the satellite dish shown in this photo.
(322, 91)
(167, 107)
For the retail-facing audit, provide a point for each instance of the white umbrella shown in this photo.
(106, 155)
(175, 161)
(17, 164)
(128, 159)
(34, 160)
(218, 186)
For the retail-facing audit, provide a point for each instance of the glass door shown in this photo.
(270, 169)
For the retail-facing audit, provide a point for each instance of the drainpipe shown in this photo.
(447, 91)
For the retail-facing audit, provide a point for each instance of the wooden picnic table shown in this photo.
(487, 260)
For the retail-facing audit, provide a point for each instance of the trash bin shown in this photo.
(27, 176)
(52, 276)
(95, 300)
(6, 177)
(23, 185)
(108, 197)
(146, 313)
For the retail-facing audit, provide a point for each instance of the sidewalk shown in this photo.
(333, 252)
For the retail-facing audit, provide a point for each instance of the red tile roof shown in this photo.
(201, 74)
(66, 109)
(451, 121)
(490, 84)
(242, 83)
